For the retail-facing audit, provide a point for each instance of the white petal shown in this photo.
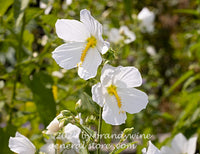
(167, 150)
(72, 133)
(126, 77)
(93, 26)
(152, 149)
(133, 100)
(146, 16)
(114, 35)
(68, 55)
(191, 145)
(111, 113)
(71, 30)
(97, 94)
(53, 127)
(129, 34)
(95, 29)
(107, 74)
(144, 151)
(48, 148)
(103, 46)
(90, 65)
(20, 144)
(179, 143)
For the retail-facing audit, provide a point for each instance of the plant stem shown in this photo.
(18, 58)
(84, 129)
(99, 129)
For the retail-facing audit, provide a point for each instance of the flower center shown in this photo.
(91, 43)
(112, 90)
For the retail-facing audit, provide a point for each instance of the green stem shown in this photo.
(99, 129)
(84, 130)
(18, 58)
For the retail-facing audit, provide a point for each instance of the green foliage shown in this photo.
(43, 96)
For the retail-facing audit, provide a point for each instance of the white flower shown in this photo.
(115, 93)
(147, 18)
(123, 34)
(180, 145)
(21, 145)
(47, 8)
(151, 50)
(72, 133)
(114, 35)
(53, 127)
(84, 44)
(49, 147)
(151, 149)
(68, 2)
(129, 35)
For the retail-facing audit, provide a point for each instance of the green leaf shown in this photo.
(49, 19)
(40, 86)
(6, 133)
(19, 8)
(28, 39)
(179, 81)
(187, 11)
(32, 13)
(5, 5)
(106, 129)
(190, 81)
(87, 105)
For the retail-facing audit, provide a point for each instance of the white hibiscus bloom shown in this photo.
(84, 44)
(21, 145)
(115, 93)
(72, 133)
(129, 35)
(151, 149)
(114, 35)
(147, 20)
(123, 34)
(53, 127)
(180, 145)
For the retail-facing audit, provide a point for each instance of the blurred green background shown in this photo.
(32, 93)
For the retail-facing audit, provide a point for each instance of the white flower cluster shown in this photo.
(115, 93)
(84, 43)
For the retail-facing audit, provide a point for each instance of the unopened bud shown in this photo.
(128, 130)
(66, 113)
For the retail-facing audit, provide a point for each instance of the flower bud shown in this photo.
(66, 113)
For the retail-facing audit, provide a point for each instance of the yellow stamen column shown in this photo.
(91, 43)
(112, 90)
